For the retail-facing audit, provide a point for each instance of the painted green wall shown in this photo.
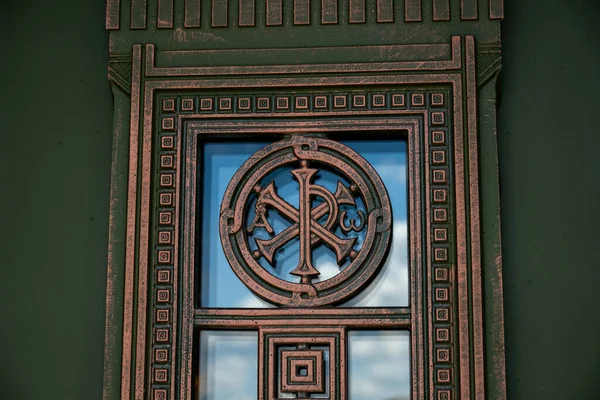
(550, 192)
(55, 128)
(55, 155)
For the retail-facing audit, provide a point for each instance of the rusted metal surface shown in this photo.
(183, 92)
(131, 222)
(357, 318)
(412, 104)
(329, 13)
(476, 270)
(307, 344)
(399, 110)
(301, 153)
(441, 57)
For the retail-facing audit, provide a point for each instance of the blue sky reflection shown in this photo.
(228, 365)
(379, 365)
(220, 287)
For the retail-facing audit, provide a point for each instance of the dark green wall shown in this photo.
(55, 127)
(549, 140)
(55, 154)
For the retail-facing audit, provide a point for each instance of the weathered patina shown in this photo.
(424, 70)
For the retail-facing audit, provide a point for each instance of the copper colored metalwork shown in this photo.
(414, 11)
(219, 69)
(302, 153)
(282, 351)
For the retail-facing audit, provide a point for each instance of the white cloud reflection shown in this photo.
(379, 365)
(228, 365)
(391, 172)
(390, 287)
(253, 301)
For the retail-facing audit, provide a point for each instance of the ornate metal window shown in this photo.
(302, 217)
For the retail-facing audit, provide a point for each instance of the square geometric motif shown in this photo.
(443, 376)
(168, 124)
(418, 99)
(168, 105)
(440, 235)
(167, 142)
(438, 137)
(166, 180)
(282, 103)
(162, 335)
(164, 237)
(437, 99)
(440, 215)
(398, 100)
(441, 274)
(378, 100)
(339, 101)
(444, 394)
(164, 256)
(442, 355)
(167, 161)
(161, 375)
(160, 394)
(301, 103)
(439, 176)
(187, 105)
(360, 100)
(440, 254)
(225, 103)
(263, 103)
(439, 157)
(320, 102)
(163, 295)
(165, 218)
(294, 361)
(163, 276)
(165, 199)
(441, 294)
(161, 355)
(162, 315)
(437, 118)
(206, 104)
(244, 103)
(442, 334)
(442, 314)
(302, 370)
(440, 196)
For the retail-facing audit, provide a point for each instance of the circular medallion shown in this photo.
(306, 222)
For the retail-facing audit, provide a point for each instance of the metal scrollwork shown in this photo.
(313, 223)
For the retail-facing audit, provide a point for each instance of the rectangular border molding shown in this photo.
(431, 95)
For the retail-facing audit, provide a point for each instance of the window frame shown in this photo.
(160, 366)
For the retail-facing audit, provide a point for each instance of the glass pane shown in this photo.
(228, 365)
(379, 365)
(219, 286)
(390, 287)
